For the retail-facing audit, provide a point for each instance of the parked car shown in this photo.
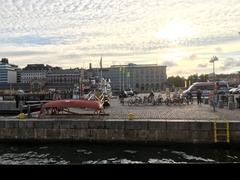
(235, 90)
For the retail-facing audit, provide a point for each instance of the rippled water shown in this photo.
(113, 154)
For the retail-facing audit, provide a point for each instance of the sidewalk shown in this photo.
(183, 112)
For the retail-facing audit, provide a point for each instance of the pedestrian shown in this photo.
(199, 96)
(121, 98)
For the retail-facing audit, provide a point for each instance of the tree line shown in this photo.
(177, 81)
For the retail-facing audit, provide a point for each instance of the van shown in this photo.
(206, 88)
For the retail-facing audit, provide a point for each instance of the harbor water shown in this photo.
(51, 154)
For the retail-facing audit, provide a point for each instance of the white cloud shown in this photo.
(121, 30)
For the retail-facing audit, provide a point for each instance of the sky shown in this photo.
(181, 34)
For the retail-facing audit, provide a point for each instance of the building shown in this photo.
(64, 78)
(34, 72)
(8, 72)
(142, 78)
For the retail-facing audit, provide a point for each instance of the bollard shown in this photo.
(21, 116)
(131, 116)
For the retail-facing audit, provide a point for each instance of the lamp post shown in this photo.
(212, 60)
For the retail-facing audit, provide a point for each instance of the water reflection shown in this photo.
(112, 154)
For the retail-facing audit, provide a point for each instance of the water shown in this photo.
(113, 154)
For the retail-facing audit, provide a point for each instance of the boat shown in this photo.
(58, 107)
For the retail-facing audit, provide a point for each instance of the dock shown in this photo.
(150, 124)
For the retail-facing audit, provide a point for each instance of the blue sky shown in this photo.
(182, 34)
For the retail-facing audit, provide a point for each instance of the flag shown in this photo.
(101, 63)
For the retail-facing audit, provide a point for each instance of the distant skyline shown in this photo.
(181, 34)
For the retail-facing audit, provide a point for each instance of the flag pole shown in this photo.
(101, 67)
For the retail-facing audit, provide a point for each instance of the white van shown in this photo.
(206, 88)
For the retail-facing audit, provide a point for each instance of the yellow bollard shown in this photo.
(131, 116)
(21, 116)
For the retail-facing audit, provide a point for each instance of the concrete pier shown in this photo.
(175, 124)
(147, 130)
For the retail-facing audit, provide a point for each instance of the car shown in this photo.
(235, 90)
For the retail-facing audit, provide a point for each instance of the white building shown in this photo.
(8, 72)
(140, 77)
(34, 72)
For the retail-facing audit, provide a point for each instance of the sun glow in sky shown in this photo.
(175, 31)
(182, 34)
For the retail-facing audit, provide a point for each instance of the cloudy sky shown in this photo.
(182, 34)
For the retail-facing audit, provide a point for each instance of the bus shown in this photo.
(206, 88)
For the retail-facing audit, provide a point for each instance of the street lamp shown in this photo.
(212, 60)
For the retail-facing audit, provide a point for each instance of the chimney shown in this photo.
(90, 66)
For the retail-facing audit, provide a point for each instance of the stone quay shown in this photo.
(151, 124)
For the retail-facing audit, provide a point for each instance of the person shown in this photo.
(189, 97)
(199, 96)
(121, 98)
(238, 100)
(175, 94)
(151, 96)
(159, 100)
(17, 100)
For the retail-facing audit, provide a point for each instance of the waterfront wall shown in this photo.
(113, 130)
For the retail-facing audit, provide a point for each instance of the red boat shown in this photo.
(57, 106)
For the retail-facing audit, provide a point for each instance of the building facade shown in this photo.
(8, 72)
(34, 72)
(142, 78)
(64, 78)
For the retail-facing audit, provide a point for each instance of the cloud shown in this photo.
(121, 30)
(202, 65)
(193, 57)
(169, 63)
(31, 40)
(231, 62)
(218, 49)
(24, 53)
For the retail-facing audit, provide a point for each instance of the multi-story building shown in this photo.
(8, 72)
(64, 78)
(34, 72)
(142, 78)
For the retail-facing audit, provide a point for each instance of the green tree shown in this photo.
(176, 81)
(203, 77)
(193, 78)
